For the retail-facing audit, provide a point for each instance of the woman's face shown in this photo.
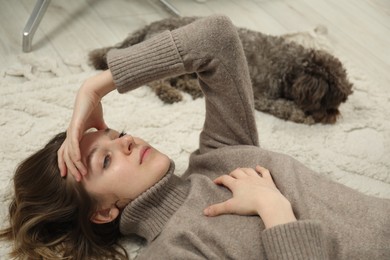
(120, 167)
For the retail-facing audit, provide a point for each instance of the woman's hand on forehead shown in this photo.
(87, 113)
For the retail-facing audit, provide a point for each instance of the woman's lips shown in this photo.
(143, 153)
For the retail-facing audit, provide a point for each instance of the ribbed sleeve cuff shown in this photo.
(295, 240)
(150, 60)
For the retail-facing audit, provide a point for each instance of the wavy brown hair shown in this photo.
(50, 216)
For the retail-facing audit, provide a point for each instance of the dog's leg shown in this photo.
(283, 109)
(165, 91)
(189, 84)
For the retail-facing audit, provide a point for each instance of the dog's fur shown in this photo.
(289, 81)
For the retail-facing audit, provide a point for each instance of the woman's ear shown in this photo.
(105, 215)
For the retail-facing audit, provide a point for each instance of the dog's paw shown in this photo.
(189, 84)
(166, 92)
(298, 116)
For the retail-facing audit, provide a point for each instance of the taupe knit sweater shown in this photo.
(333, 221)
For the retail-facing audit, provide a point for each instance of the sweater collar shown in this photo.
(148, 213)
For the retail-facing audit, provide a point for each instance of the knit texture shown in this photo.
(310, 236)
(332, 219)
(154, 59)
(148, 213)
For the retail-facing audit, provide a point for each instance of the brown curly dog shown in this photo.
(289, 81)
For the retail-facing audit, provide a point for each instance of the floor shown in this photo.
(360, 29)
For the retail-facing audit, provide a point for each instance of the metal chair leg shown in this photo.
(170, 7)
(33, 23)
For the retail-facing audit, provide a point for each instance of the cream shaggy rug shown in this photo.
(36, 98)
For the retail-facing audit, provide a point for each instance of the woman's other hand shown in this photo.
(254, 193)
(87, 113)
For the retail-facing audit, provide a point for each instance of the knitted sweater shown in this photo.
(334, 221)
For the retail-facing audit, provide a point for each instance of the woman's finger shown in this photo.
(263, 171)
(80, 167)
(60, 161)
(266, 175)
(76, 160)
(75, 155)
(250, 171)
(225, 180)
(237, 173)
(72, 169)
(225, 207)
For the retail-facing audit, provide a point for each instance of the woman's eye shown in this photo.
(122, 134)
(106, 161)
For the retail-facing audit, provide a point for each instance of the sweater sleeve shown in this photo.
(295, 240)
(211, 48)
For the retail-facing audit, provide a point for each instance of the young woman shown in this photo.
(226, 205)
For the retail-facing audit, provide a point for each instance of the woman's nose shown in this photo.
(126, 143)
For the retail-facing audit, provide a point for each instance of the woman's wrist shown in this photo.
(101, 84)
(277, 214)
